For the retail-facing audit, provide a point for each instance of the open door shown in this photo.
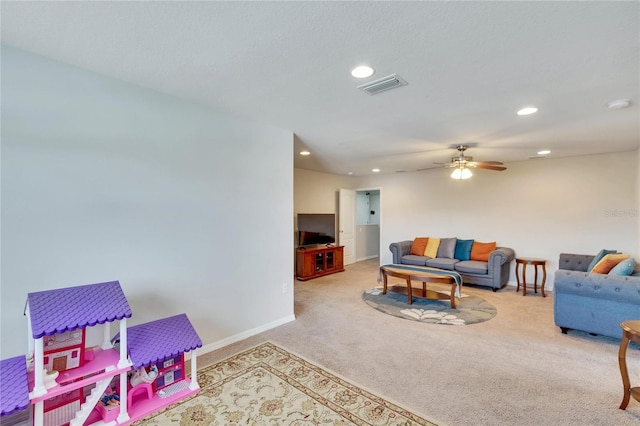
(347, 224)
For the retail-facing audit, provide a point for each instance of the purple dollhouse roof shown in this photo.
(13, 384)
(158, 340)
(67, 309)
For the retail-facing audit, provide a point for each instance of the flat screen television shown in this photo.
(316, 228)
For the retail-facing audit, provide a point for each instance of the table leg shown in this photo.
(454, 286)
(535, 278)
(517, 276)
(544, 279)
(622, 361)
(524, 279)
(409, 292)
(384, 280)
(424, 289)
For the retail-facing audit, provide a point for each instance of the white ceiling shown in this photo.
(469, 67)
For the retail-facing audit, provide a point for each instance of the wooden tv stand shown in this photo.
(313, 262)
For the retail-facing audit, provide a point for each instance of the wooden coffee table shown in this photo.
(422, 276)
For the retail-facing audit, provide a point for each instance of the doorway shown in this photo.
(367, 230)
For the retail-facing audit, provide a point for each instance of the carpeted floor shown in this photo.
(515, 369)
(268, 385)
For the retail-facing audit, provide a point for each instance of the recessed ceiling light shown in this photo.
(527, 111)
(619, 104)
(362, 71)
(544, 152)
(305, 152)
(350, 173)
(375, 170)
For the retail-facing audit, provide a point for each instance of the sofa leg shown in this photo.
(564, 330)
(494, 289)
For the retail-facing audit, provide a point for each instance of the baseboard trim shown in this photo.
(367, 258)
(241, 336)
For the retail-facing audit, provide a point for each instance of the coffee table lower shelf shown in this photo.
(422, 293)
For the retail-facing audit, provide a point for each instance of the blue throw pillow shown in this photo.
(463, 249)
(624, 268)
(599, 257)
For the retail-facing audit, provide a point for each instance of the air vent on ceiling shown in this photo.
(382, 84)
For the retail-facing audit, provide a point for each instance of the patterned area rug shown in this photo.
(267, 385)
(469, 309)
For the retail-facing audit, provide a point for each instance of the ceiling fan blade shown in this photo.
(489, 167)
(493, 163)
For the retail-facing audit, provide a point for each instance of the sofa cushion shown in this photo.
(447, 248)
(431, 250)
(411, 259)
(481, 251)
(602, 253)
(418, 246)
(472, 267)
(463, 249)
(442, 263)
(624, 268)
(608, 262)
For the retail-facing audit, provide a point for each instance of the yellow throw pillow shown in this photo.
(481, 251)
(418, 246)
(608, 262)
(431, 250)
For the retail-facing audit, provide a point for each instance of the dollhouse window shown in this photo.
(74, 354)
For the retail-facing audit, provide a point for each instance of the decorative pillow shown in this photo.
(432, 247)
(447, 248)
(608, 262)
(463, 249)
(602, 253)
(624, 268)
(481, 251)
(418, 246)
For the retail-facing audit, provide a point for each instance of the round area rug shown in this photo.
(469, 309)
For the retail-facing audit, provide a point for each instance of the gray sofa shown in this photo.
(494, 273)
(595, 303)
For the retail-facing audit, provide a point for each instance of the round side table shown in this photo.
(524, 261)
(630, 331)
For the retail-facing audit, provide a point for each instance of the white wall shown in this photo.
(316, 192)
(103, 180)
(539, 208)
(367, 242)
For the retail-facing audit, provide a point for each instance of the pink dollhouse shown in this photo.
(68, 383)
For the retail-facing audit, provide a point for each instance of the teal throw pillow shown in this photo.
(602, 253)
(624, 268)
(447, 248)
(463, 249)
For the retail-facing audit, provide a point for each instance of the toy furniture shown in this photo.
(68, 383)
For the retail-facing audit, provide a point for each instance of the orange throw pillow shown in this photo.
(608, 262)
(481, 251)
(418, 246)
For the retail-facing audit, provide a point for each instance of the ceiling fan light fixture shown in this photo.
(461, 173)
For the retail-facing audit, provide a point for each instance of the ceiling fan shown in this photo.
(461, 164)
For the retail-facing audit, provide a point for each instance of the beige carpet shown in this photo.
(268, 385)
(515, 369)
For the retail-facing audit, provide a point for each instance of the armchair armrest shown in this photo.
(400, 249)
